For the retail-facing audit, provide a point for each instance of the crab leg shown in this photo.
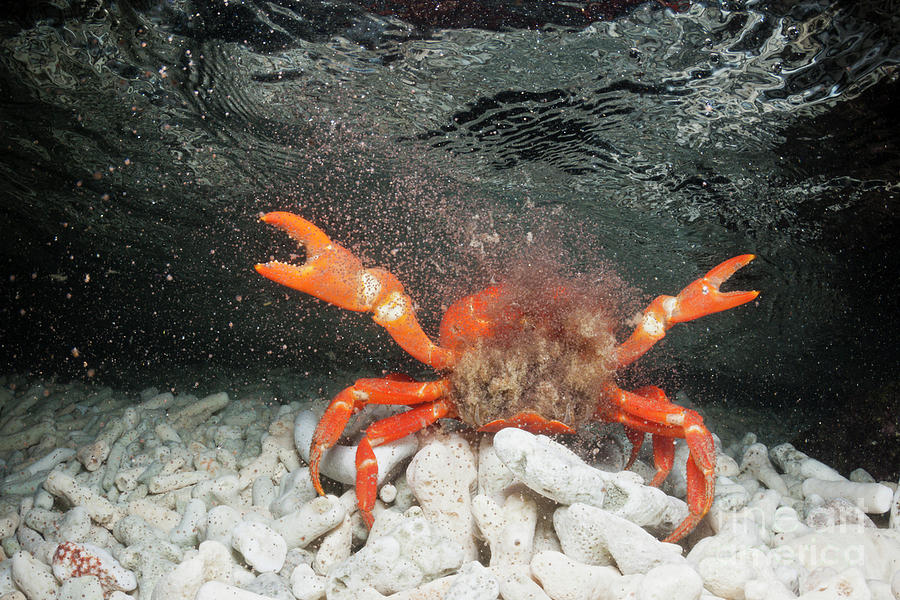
(333, 274)
(351, 400)
(663, 448)
(636, 429)
(670, 420)
(529, 421)
(700, 298)
(385, 431)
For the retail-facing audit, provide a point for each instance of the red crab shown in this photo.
(540, 359)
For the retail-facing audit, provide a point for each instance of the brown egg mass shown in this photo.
(553, 349)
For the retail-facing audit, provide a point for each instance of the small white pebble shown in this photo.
(388, 493)
(215, 590)
(305, 584)
(260, 545)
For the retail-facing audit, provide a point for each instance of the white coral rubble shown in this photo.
(178, 497)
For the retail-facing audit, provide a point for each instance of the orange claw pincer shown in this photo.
(333, 274)
(699, 298)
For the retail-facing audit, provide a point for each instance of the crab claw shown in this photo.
(333, 274)
(702, 296)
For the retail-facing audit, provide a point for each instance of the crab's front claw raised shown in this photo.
(702, 296)
(333, 274)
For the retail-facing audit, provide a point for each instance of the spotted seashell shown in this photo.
(77, 560)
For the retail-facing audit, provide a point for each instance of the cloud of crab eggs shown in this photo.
(553, 349)
(413, 212)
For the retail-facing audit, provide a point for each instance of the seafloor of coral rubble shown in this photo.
(169, 497)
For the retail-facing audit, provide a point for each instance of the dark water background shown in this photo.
(140, 141)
